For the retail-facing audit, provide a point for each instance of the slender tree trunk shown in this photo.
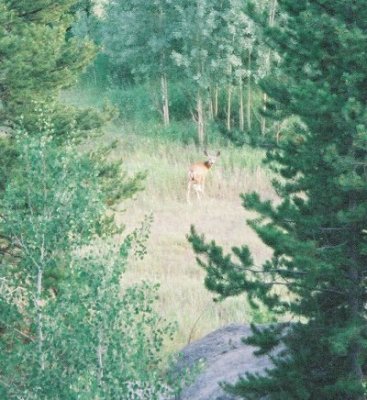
(100, 356)
(211, 104)
(164, 96)
(263, 120)
(271, 22)
(216, 95)
(273, 8)
(249, 94)
(241, 111)
(162, 66)
(200, 118)
(229, 106)
(40, 337)
(39, 305)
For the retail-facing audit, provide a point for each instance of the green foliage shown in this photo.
(37, 60)
(100, 74)
(68, 330)
(140, 36)
(317, 232)
(133, 103)
(199, 51)
(8, 156)
(140, 103)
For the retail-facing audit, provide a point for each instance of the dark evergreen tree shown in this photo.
(318, 231)
(38, 58)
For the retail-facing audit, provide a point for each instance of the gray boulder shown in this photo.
(223, 358)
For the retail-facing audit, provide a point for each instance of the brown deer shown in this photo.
(197, 174)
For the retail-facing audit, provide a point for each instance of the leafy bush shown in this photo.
(68, 330)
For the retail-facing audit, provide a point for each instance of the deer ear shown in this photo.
(218, 153)
(206, 153)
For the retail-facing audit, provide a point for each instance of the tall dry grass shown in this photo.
(144, 146)
(220, 216)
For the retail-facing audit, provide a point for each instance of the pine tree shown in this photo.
(318, 231)
(37, 59)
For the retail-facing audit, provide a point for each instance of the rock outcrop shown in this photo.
(223, 357)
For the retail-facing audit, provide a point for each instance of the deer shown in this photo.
(197, 174)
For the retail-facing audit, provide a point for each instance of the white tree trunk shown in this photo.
(39, 305)
(249, 95)
(229, 107)
(263, 120)
(100, 356)
(216, 94)
(164, 97)
(211, 104)
(271, 22)
(273, 8)
(200, 119)
(241, 110)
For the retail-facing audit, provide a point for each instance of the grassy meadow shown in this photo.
(220, 216)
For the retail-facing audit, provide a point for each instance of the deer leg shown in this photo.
(198, 192)
(188, 193)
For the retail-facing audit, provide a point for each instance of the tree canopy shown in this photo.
(317, 232)
(38, 58)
